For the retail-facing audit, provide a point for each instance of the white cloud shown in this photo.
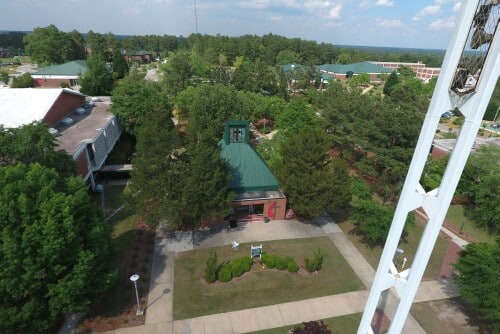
(313, 4)
(388, 23)
(334, 12)
(457, 6)
(446, 23)
(259, 4)
(428, 10)
(385, 3)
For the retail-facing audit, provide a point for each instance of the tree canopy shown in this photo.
(481, 183)
(49, 45)
(33, 143)
(313, 183)
(180, 184)
(97, 80)
(479, 270)
(54, 248)
(134, 97)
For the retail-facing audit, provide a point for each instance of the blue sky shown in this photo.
(396, 23)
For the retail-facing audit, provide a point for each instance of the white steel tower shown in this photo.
(468, 76)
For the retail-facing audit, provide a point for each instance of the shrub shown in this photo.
(211, 268)
(247, 263)
(280, 263)
(318, 258)
(225, 274)
(236, 268)
(312, 327)
(292, 266)
(269, 260)
(316, 263)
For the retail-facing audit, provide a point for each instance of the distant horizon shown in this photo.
(425, 24)
(334, 45)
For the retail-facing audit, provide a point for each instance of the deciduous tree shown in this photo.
(479, 270)
(55, 248)
(97, 80)
(32, 143)
(134, 97)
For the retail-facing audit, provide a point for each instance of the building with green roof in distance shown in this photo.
(328, 72)
(56, 75)
(258, 195)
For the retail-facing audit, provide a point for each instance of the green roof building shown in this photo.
(56, 75)
(257, 190)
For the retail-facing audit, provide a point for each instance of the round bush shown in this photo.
(280, 263)
(225, 274)
(269, 260)
(236, 269)
(247, 260)
(292, 266)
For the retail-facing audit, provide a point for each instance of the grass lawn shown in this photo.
(372, 255)
(454, 315)
(456, 216)
(192, 298)
(345, 324)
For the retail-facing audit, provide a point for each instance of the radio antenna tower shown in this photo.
(470, 70)
(195, 17)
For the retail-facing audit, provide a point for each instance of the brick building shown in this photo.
(85, 130)
(257, 191)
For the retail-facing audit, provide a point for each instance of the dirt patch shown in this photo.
(118, 307)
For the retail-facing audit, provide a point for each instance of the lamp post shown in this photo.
(134, 279)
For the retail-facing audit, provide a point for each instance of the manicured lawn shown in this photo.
(372, 255)
(192, 298)
(345, 324)
(456, 217)
(447, 315)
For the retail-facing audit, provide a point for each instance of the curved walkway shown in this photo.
(159, 317)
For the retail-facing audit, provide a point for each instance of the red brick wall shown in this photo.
(437, 152)
(64, 106)
(279, 208)
(51, 83)
(82, 168)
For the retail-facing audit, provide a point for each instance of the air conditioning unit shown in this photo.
(54, 132)
(67, 121)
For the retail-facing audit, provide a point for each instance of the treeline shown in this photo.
(270, 49)
(12, 40)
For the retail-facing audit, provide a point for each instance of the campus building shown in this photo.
(85, 129)
(57, 75)
(258, 195)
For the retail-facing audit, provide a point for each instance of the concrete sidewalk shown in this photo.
(160, 300)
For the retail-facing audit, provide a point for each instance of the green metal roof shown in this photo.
(356, 68)
(72, 68)
(248, 170)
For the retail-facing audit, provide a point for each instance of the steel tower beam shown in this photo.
(449, 94)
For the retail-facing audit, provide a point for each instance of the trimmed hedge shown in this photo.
(292, 266)
(280, 263)
(237, 268)
(225, 274)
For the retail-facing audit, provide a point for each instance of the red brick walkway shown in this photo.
(451, 256)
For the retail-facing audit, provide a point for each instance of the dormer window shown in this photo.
(237, 134)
